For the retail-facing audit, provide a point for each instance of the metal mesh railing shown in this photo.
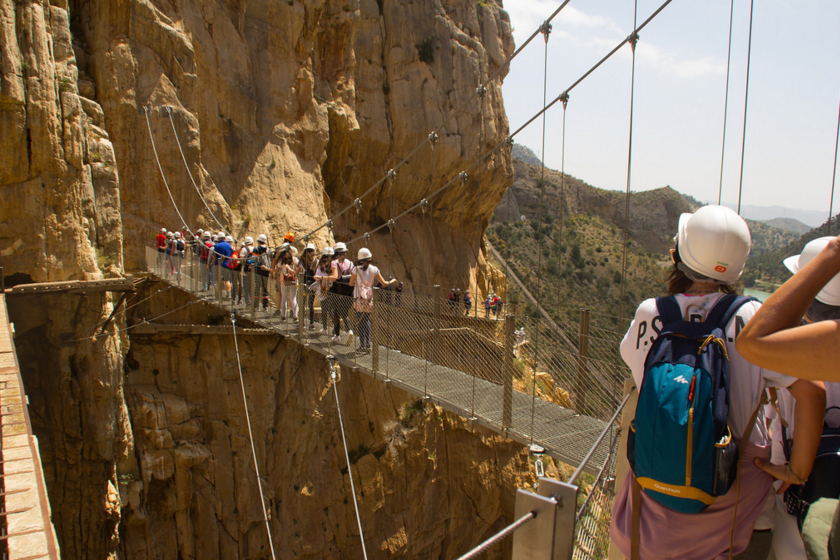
(555, 385)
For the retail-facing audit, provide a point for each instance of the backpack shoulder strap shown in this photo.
(669, 310)
(725, 309)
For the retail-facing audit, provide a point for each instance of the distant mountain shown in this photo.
(789, 224)
(581, 230)
(764, 213)
(526, 154)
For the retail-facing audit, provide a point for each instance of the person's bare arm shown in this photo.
(773, 339)
(382, 280)
(808, 418)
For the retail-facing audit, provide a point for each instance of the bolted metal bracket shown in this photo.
(392, 174)
(481, 91)
(545, 29)
(463, 176)
(433, 138)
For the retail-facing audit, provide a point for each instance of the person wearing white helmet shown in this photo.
(284, 270)
(307, 266)
(262, 267)
(178, 248)
(341, 300)
(160, 244)
(712, 246)
(322, 287)
(796, 352)
(169, 251)
(363, 279)
(246, 258)
(207, 261)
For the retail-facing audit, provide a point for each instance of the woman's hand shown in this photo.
(780, 472)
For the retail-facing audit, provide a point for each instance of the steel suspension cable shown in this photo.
(251, 437)
(546, 31)
(184, 159)
(347, 456)
(622, 303)
(157, 159)
(746, 105)
(126, 329)
(726, 100)
(833, 175)
(499, 536)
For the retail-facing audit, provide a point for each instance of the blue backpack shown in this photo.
(680, 446)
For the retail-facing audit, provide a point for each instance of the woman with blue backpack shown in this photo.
(694, 491)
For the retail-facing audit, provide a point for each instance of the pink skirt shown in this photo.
(666, 533)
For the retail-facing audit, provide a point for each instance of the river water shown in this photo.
(762, 296)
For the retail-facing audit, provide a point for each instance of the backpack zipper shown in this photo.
(690, 432)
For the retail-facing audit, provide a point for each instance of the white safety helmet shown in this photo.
(177, 235)
(249, 240)
(283, 248)
(714, 242)
(206, 235)
(328, 251)
(310, 246)
(229, 239)
(262, 238)
(163, 230)
(830, 294)
(340, 247)
(168, 234)
(364, 253)
(200, 231)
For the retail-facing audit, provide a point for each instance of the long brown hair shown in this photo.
(679, 283)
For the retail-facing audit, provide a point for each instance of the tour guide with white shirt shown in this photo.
(711, 250)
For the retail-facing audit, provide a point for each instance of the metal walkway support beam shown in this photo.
(75, 287)
(551, 535)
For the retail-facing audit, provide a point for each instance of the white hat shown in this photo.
(340, 246)
(177, 235)
(229, 239)
(249, 240)
(262, 238)
(163, 230)
(206, 235)
(830, 294)
(310, 246)
(714, 242)
(168, 234)
(328, 251)
(364, 253)
(200, 230)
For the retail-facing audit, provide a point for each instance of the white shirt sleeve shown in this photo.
(642, 332)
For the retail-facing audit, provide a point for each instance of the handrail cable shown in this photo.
(251, 436)
(201, 196)
(598, 441)
(746, 105)
(610, 455)
(509, 138)
(726, 100)
(346, 454)
(160, 168)
(499, 536)
(446, 121)
(622, 304)
(833, 176)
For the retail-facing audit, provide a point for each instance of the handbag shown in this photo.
(364, 303)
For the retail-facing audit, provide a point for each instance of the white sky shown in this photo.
(679, 96)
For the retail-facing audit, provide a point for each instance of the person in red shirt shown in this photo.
(160, 241)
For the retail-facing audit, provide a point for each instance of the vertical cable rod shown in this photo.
(633, 40)
(833, 175)
(251, 436)
(746, 105)
(726, 100)
(160, 168)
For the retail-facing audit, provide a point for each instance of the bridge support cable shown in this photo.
(746, 106)
(531, 515)
(192, 180)
(726, 100)
(160, 168)
(251, 438)
(126, 329)
(334, 377)
(833, 175)
(565, 101)
(633, 40)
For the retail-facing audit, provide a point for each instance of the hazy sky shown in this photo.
(679, 96)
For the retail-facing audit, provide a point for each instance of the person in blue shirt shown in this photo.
(223, 250)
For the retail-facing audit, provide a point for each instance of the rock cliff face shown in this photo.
(60, 216)
(288, 111)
